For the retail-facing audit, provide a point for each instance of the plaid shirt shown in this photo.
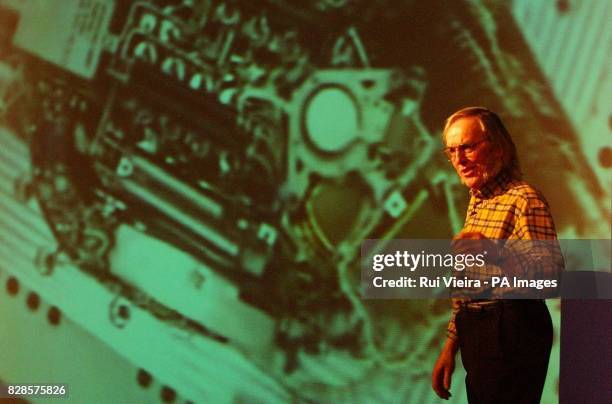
(509, 209)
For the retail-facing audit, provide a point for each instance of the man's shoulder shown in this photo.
(526, 195)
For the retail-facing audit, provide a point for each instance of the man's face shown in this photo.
(477, 164)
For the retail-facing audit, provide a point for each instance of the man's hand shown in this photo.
(476, 243)
(473, 242)
(443, 369)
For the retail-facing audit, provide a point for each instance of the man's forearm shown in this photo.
(451, 346)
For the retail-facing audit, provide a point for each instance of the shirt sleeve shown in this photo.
(535, 221)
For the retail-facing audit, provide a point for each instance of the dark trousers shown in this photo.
(505, 349)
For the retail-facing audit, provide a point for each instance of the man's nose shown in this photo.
(460, 157)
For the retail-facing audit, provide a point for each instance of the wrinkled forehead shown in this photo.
(464, 130)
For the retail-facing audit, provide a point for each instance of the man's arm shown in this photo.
(445, 365)
(537, 251)
(532, 253)
(443, 369)
(451, 329)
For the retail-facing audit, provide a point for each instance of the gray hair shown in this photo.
(492, 126)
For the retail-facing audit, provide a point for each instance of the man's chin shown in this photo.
(478, 178)
(471, 182)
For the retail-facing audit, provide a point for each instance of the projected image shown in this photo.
(191, 181)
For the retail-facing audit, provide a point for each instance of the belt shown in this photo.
(483, 305)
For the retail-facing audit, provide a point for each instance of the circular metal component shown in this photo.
(167, 394)
(12, 286)
(605, 157)
(119, 312)
(144, 378)
(331, 119)
(33, 301)
(54, 315)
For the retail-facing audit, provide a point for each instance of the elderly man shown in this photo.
(505, 344)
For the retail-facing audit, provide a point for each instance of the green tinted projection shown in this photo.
(188, 184)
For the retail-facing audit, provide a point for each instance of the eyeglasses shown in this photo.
(467, 148)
